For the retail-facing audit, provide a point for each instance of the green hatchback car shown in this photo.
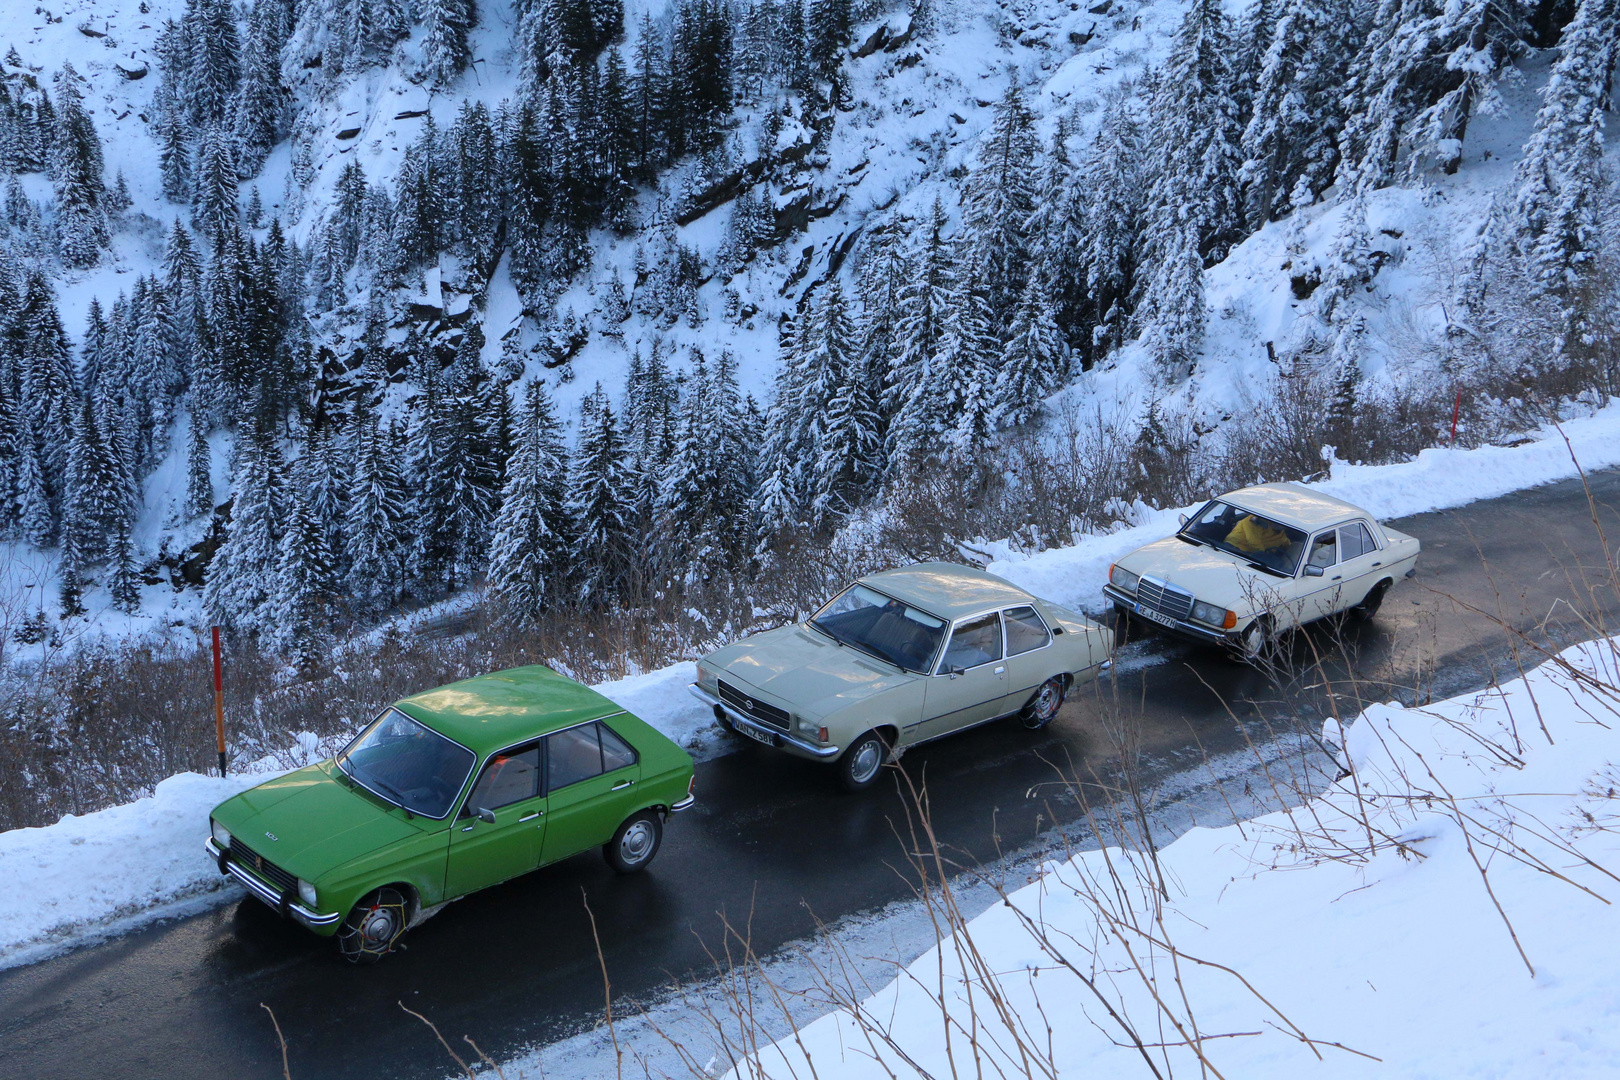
(448, 792)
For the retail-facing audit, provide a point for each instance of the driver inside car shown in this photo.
(1253, 536)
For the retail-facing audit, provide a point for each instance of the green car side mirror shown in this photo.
(486, 816)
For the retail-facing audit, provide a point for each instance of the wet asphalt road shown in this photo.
(516, 964)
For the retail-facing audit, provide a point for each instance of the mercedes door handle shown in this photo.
(1338, 577)
(621, 785)
(530, 817)
(1380, 562)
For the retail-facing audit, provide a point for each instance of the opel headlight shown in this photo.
(1122, 578)
(706, 676)
(1214, 616)
(808, 726)
(306, 893)
(222, 836)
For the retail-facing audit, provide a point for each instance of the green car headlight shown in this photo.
(222, 835)
(306, 893)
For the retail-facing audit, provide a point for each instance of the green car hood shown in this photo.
(809, 674)
(317, 822)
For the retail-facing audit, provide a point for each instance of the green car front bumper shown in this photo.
(283, 902)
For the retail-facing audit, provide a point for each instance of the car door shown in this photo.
(1029, 660)
(484, 853)
(1360, 562)
(1321, 592)
(971, 680)
(591, 775)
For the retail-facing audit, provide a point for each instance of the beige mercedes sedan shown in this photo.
(900, 658)
(1255, 564)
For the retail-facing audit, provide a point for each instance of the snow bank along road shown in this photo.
(515, 965)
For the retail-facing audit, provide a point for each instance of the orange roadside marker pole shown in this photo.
(219, 702)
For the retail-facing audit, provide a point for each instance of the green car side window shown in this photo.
(572, 755)
(616, 753)
(508, 778)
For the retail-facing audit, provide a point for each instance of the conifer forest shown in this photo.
(558, 317)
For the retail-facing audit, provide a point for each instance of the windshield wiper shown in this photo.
(393, 793)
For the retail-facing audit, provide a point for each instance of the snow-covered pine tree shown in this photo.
(373, 540)
(445, 48)
(36, 518)
(76, 169)
(703, 503)
(601, 504)
(241, 581)
(300, 608)
(528, 555)
(997, 202)
(924, 314)
(1290, 145)
(1561, 175)
(848, 462)
(214, 71)
(213, 205)
(1113, 172)
(1034, 361)
(123, 579)
(1173, 310)
(258, 118)
(48, 393)
(98, 497)
(199, 466)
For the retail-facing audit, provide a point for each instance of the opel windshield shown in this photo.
(408, 764)
(882, 626)
(1266, 544)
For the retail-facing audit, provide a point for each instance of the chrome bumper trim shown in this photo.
(684, 804)
(813, 749)
(265, 892)
(1187, 629)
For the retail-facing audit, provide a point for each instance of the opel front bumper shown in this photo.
(776, 737)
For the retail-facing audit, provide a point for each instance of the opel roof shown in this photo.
(946, 589)
(489, 712)
(1292, 504)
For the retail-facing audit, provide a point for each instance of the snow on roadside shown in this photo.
(1403, 955)
(1437, 479)
(155, 843)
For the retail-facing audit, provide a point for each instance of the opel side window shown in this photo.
(975, 642)
(1325, 550)
(572, 755)
(508, 778)
(1025, 630)
(616, 753)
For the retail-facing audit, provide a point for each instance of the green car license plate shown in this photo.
(757, 736)
(1153, 616)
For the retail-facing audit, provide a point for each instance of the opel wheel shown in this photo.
(635, 844)
(1043, 708)
(858, 768)
(374, 926)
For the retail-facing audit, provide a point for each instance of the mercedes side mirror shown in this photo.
(486, 816)
(1315, 571)
(1183, 519)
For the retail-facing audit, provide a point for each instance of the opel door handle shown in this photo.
(621, 785)
(1000, 670)
(530, 817)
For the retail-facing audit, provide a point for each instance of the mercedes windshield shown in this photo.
(1263, 543)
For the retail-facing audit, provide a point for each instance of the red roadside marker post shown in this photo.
(219, 702)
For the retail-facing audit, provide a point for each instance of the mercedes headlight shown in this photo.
(1214, 616)
(222, 835)
(1122, 578)
(306, 893)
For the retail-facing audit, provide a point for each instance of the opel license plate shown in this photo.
(1153, 616)
(757, 736)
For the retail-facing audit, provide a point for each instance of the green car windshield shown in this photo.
(408, 764)
(882, 626)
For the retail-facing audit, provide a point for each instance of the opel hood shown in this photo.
(308, 823)
(804, 671)
(1211, 575)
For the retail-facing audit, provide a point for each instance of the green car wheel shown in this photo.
(635, 844)
(374, 926)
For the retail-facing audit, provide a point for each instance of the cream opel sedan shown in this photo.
(897, 659)
(1255, 564)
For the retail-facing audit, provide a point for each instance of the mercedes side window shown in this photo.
(616, 753)
(1356, 541)
(1325, 550)
(1025, 630)
(509, 777)
(572, 755)
(975, 642)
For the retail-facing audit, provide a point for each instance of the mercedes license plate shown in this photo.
(758, 736)
(1153, 616)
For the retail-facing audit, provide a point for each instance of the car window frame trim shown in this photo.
(462, 793)
(945, 646)
(545, 756)
(1050, 637)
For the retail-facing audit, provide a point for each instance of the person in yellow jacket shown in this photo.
(1253, 535)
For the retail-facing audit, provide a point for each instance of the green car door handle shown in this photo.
(530, 817)
(621, 785)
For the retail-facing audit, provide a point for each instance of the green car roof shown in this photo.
(489, 712)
